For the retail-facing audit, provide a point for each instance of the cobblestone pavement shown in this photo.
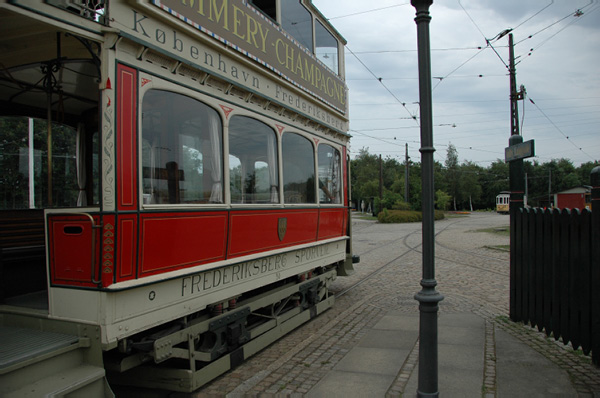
(472, 275)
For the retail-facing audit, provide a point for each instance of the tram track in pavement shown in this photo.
(300, 359)
(409, 248)
(416, 248)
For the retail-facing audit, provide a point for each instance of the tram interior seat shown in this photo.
(22, 254)
(172, 175)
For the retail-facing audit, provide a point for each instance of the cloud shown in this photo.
(561, 75)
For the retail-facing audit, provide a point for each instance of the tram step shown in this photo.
(39, 363)
(83, 381)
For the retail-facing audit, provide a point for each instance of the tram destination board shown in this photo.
(520, 151)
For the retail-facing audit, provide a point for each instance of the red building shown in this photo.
(574, 198)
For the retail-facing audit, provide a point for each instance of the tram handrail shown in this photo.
(94, 226)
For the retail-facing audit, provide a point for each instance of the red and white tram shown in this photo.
(175, 193)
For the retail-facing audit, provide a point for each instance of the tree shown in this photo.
(14, 156)
(465, 184)
(442, 200)
(469, 184)
(364, 175)
(493, 181)
(453, 174)
(585, 170)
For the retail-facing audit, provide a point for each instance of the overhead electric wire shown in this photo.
(572, 13)
(368, 11)
(531, 17)
(455, 69)
(559, 130)
(488, 44)
(387, 141)
(472, 20)
(382, 81)
(577, 14)
(384, 86)
(415, 50)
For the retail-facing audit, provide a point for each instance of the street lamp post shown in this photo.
(428, 297)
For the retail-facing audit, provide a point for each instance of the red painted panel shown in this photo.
(173, 241)
(331, 223)
(126, 138)
(126, 263)
(345, 176)
(108, 249)
(253, 231)
(70, 241)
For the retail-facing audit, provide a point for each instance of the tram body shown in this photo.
(503, 202)
(207, 208)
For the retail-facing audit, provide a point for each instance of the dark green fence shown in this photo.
(555, 272)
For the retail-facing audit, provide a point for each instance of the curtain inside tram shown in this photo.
(181, 150)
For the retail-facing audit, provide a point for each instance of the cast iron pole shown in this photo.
(428, 297)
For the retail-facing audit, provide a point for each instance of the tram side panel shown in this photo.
(139, 273)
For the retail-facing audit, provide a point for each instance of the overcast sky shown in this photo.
(471, 106)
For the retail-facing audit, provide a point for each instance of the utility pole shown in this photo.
(406, 170)
(515, 170)
(514, 95)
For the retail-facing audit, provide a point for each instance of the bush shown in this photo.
(401, 205)
(404, 216)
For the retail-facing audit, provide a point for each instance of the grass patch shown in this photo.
(364, 216)
(501, 231)
(456, 215)
(502, 248)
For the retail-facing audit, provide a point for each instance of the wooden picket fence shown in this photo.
(555, 273)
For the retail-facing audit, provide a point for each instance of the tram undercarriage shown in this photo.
(192, 351)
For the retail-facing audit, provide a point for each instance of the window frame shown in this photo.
(311, 139)
(342, 187)
(154, 82)
(271, 125)
(158, 83)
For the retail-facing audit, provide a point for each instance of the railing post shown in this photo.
(595, 183)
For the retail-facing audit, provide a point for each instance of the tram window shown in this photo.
(268, 7)
(181, 150)
(330, 187)
(327, 47)
(253, 170)
(298, 169)
(24, 162)
(297, 21)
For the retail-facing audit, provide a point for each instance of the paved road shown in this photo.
(471, 274)
(468, 274)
